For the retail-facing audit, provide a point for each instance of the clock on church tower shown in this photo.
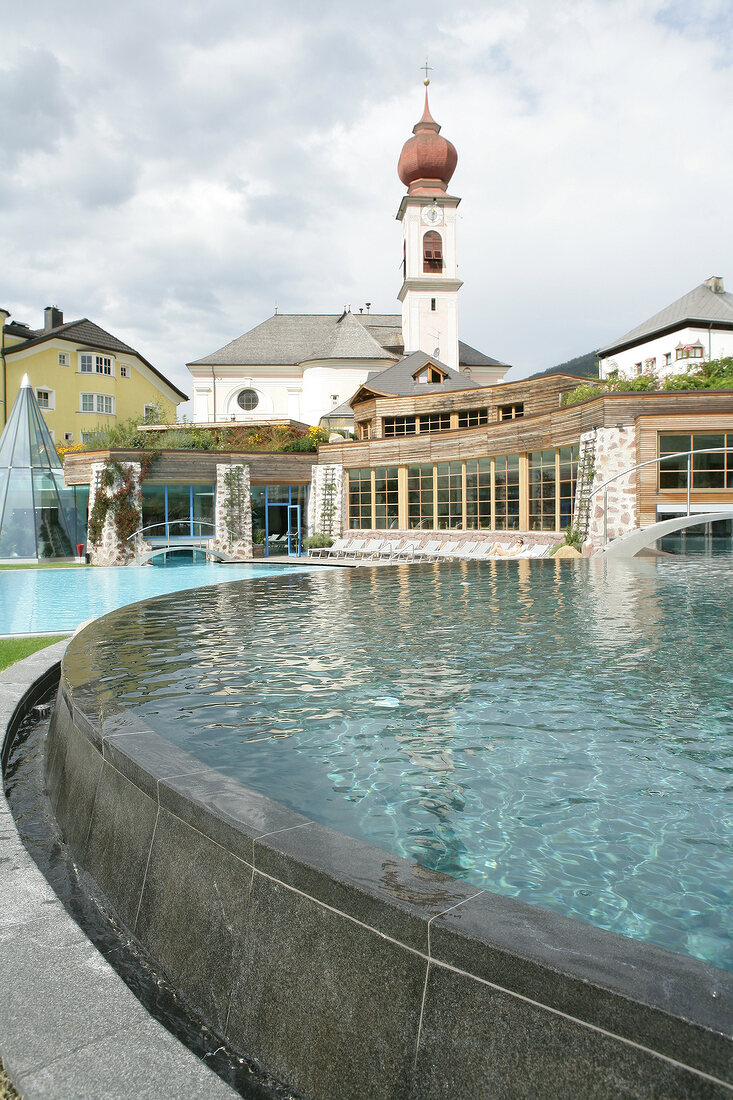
(429, 292)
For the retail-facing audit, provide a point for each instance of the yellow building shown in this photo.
(84, 378)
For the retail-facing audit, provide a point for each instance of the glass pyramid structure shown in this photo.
(38, 514)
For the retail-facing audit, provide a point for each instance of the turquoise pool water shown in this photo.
(53, 601)
(559, 732)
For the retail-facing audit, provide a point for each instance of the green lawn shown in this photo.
(15, 649)
(49, 565)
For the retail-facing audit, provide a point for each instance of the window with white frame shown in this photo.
(64, 359)
(46, 399)
(98, 403)
(95, 364)
(124, 370)
(68, 437)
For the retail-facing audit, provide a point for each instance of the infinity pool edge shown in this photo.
(347, 970)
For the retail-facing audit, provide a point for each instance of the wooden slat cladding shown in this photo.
(539, 396)
(558, 428)
(198, 467)
(649, 427)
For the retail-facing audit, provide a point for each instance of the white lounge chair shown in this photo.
(481, 553)
(429, 551)
(354, 549)
(373, 549)
(333, 551)
(405, 551)
(457, 550)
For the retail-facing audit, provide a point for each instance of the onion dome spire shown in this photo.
(427, 161)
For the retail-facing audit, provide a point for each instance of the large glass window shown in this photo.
(478, 494)
(472, 418)
(400, 425)
(203, 510)
(386, 494)
(420, 496)
(178, 511)
(567, 469)
(360, 499)
(542, 490)
(435, 422)
(450, 495)
(709, 471)
(506, 492)
(673, 472)
(154, 509)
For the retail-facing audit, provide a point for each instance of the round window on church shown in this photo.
(247, 400)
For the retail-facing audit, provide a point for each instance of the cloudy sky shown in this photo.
(174, 170)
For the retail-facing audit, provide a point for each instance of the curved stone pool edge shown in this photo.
(69, 1026)
(349, 971)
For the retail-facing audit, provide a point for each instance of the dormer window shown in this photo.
(432, 252)
(429, 373)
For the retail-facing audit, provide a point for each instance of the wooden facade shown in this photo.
(541, 395)
(651, 414)
(198, 467)
(558, 428)
(649, 494)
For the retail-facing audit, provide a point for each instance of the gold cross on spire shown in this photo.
(427, 68)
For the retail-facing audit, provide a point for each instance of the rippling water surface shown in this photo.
(559, 732)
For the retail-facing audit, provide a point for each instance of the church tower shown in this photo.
(430, 285)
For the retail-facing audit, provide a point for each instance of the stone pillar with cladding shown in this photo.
(109, 549)
(616, 451)
(326, 501)
(233, 511)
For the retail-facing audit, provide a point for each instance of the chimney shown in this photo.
(715, 283)
(52, 318)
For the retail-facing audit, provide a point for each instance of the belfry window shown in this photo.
(432, 251)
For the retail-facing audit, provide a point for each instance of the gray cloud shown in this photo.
(174, 170)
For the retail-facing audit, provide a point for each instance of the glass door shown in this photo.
(277, 534)
(294, 529)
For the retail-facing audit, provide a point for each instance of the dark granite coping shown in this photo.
(677, 1008)
(69, 1026)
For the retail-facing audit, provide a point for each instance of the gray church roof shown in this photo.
(398, 380)
(288, 338)
(703, 304)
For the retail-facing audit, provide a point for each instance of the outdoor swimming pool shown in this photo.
(53, 601)
(561, 733)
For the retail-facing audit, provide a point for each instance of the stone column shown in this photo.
(233, 511)
(108, 484)
(615, 452)
(326, 501)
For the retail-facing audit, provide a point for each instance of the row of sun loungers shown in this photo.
(350, 549)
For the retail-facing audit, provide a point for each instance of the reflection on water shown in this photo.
(558, 732)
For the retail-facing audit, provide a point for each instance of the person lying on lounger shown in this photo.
(512, 552)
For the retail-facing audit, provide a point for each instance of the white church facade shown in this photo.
(303, 368)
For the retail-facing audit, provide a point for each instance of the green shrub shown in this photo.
(581, 393)
(715, 375)
(313, 542)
